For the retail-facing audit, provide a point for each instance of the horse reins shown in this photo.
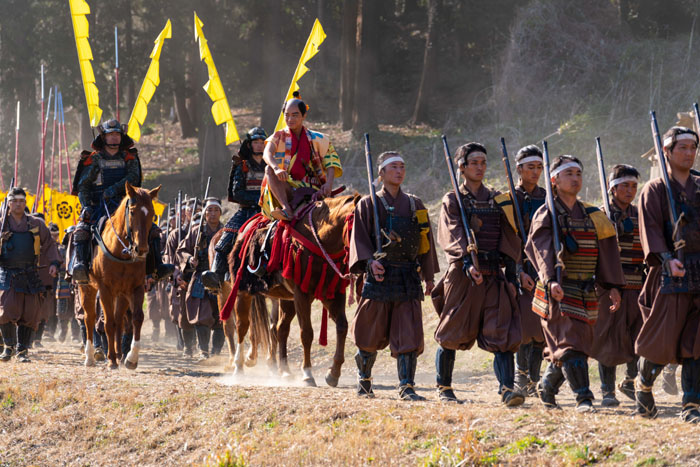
(323, 250)
(126, 250)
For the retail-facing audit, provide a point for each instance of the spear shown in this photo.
(116, 66)
(65, 146)
(53, 137)
(42, 160)
(16, 147)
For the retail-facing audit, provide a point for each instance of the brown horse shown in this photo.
(329, 220)
(263, 334)
(118, 272)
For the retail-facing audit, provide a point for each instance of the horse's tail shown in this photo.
(260, 332)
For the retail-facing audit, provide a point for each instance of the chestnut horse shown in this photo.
(118, 272)
(262, 335)
(329, 221)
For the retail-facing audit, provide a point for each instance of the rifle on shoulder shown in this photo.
(558, 248)
(378, 254)
(675, 218)
(472, 247)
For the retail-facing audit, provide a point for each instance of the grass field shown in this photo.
(172, 411)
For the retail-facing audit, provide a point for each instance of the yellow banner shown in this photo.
(158, 207)
(314, 41)
(65, 210)
(220, 109)
(148, 88)
(78, 10)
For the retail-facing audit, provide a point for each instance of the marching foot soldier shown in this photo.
(670, 299)
(528, 358)
(24, 240)
(297, 158)
(589, 252)
(201, 308)
(476, 302)
(389, 312)
(100, 184)
(247, 173)
(615, 333)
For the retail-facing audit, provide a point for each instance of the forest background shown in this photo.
(404, 70)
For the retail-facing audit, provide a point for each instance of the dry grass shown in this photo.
(173, 412)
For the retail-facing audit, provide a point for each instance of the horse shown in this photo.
(263, 333)
(118, 272)
(325, 226)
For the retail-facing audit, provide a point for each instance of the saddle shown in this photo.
(304, 196)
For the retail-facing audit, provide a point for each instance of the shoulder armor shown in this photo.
(604, 228)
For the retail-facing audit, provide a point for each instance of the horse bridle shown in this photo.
(126, 250)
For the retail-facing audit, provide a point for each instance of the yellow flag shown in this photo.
(220, 109)
(148, 88)
(158, 207)
(65, 209)
(314, 41)
(81, 28)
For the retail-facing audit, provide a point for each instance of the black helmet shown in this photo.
(257, 132)
(111, 126)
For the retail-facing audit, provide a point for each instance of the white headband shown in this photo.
(528, 159)
(396, 158)
(670, 140)
(212, 202)
(628, 178)
(14, 197)
(562, 168)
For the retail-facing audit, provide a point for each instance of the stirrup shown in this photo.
(211, 280)
(80, 273)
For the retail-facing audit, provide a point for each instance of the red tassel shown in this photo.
(330, 291)
(288, 264)
(297, 266)
(277, 248)
(323, 336)
(307, 277)
(318, 293)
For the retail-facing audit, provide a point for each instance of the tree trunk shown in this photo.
(183, 117)
(347, 62)
(273, 92)
(130, 85)
(421, 109)
(363, 113)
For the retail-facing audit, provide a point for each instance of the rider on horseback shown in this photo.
(246, 177)
(298, 160)
(99, 183)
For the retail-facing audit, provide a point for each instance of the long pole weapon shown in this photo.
(16, 147)
(558, 251)
(116, 66)
(472, 247)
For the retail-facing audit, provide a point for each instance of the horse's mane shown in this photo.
(331, 212)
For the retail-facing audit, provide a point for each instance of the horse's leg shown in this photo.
(88, 297)
(302, 305)
(272, 344)
(112, 327)
(258, 320)
(286, 316)
(336, 310)
(136, 306)
(229, 324)
(242, 309)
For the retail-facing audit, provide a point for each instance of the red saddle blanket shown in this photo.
(289, 249)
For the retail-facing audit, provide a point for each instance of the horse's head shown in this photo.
(137, 221)
(331, 218)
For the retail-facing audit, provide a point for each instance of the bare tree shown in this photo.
(347, 62)
(421, 109)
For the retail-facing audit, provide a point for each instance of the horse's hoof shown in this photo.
(331, 380)
(310, 382)
(99, 355)
(130, 365)
(89, 361)
(238, 369)
(113, 366)
(250, 363)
